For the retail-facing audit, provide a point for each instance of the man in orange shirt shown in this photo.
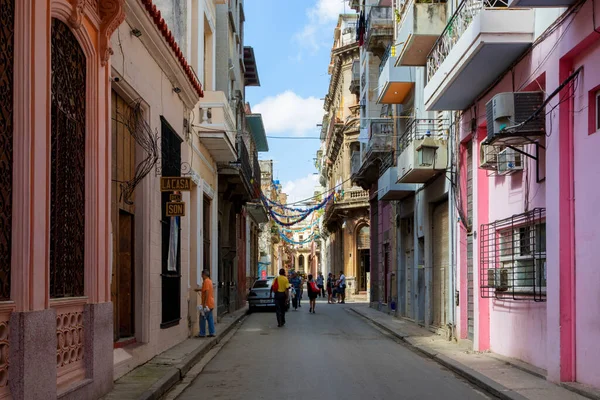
(206, 306)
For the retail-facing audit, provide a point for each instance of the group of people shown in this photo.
(336, 288)
(285, 289)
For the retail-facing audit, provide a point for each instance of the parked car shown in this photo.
(260, 294)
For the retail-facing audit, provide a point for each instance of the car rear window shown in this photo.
(262, 284)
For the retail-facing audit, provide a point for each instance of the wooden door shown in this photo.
(123, 221)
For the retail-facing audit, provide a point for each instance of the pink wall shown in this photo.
(561, 334)
(587, 216)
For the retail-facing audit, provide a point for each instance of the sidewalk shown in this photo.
(153, 379)
(503, 377)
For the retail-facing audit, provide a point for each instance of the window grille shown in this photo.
(67, 168)
(7, 19)
(513, 257)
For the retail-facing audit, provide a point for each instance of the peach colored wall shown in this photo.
(143, 78)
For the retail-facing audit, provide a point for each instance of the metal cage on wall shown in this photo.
(513, 257)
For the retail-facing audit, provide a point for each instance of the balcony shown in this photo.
(352, 198)
(421, 25)
(216, 128)
(388, 189)
(540, 3)
(355, 81)
(245, 165)
(378, 152)
(395, 83)
(423, 151)
(482, 39)
(379, 31)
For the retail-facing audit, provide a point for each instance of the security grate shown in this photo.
(7, 30)
(513, 257)
(67, 173)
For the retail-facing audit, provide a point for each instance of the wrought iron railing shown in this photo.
(244, 160)
(384, 58)
(256, 176)
(355, 81)
(458, 24)
(379, 17)
(419, 129)
(380, 136)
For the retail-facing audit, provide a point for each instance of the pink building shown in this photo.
(527, 244)
(56, 315)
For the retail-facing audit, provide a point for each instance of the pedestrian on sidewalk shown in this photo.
(281, 290)
(206, 305)
(320, 285)
(342, 287)
(313, 292)
(296, 283)
(330, 281)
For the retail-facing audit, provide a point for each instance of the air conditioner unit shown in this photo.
(497, 278)
(488, 156)
(507, 113)
(509, 161)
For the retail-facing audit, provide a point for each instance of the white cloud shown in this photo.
(288, 113)
(318, 31)
(301, 188)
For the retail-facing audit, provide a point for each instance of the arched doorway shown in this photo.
(363, 247)
(301, 263)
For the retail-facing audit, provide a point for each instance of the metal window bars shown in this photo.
(384, 58)
(418, 129)
(512, 262)
(458, 24)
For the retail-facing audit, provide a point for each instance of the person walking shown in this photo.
(281, 289)
(330, 282)
(296, 283)
(320, 285)
(206, 305)
(313, 292)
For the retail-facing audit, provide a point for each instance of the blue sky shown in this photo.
(292, 42)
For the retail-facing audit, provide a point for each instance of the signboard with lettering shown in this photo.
(175, 209)
(175, 197)
(175, 183)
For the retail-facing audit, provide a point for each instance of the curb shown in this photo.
(176, 374)
(469, 374)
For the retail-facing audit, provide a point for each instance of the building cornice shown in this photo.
(160, 43)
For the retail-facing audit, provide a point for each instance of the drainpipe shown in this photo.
(452, 236)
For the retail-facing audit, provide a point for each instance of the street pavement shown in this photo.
(333, 354)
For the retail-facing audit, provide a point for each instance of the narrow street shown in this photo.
(333, 354)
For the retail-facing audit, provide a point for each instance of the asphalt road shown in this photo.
(333, 354)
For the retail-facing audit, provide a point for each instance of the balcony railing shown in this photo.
(458, 24)
(419, 129)
(355, 81)
(384, 58)
(256, 176)
(380, 136)
(244, 160)
(379, 23)
(355, 195)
